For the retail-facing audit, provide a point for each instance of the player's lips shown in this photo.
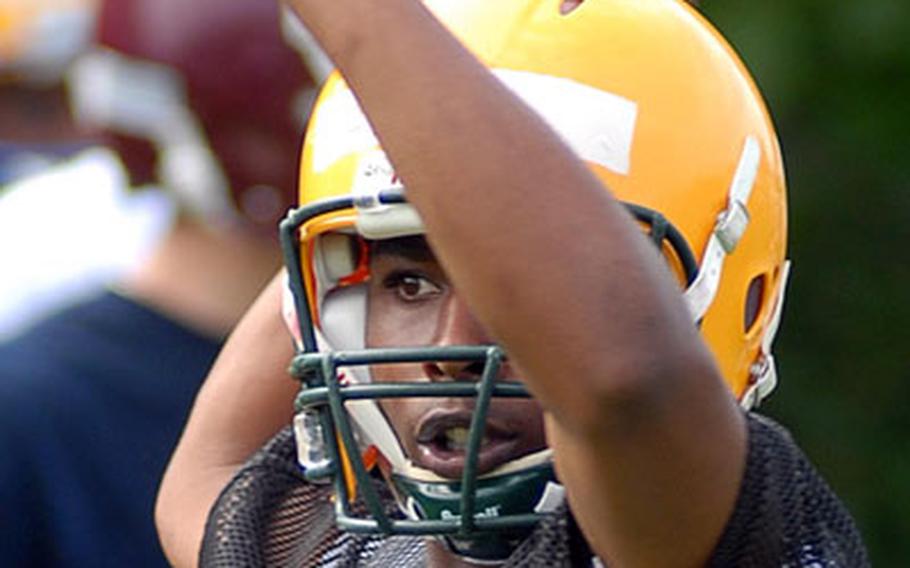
(442, 439)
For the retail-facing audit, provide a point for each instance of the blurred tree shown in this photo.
(837, 80)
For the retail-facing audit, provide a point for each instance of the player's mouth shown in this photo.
(442, 441)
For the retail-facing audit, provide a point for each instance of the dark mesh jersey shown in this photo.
(785, 515)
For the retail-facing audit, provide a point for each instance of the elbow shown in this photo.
(166, 524)
(185, 498)
(181, 511)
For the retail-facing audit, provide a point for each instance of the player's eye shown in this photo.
(411, 286)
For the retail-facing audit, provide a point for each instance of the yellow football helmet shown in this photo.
(656, 102)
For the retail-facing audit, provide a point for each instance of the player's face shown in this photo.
(412, 303)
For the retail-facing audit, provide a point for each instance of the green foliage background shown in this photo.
(836, 76)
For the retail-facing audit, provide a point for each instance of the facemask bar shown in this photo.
(290, 246)
(322, 390)
(320, 372)
(660, 230)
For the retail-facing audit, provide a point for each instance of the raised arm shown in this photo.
(649, 441)
(247, 397)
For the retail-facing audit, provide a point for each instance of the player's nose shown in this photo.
(457, 326)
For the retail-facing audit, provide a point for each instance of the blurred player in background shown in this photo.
(55, 173)
(38, 40)
(203, 104)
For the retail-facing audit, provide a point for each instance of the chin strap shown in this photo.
(729, 229)
(503, 498)
(492, 549)
(731, 224)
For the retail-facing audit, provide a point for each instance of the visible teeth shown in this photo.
(457, 438)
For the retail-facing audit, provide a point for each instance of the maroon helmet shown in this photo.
(201, 97)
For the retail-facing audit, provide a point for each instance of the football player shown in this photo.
(201, 105)
(582, 202)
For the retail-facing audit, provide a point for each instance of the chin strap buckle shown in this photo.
(729, 229)
(731, 225)
(762, 381)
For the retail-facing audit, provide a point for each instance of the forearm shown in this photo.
(246, 398)
(558, 273)
(505, 202)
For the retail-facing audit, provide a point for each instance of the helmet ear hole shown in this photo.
(754, 301)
